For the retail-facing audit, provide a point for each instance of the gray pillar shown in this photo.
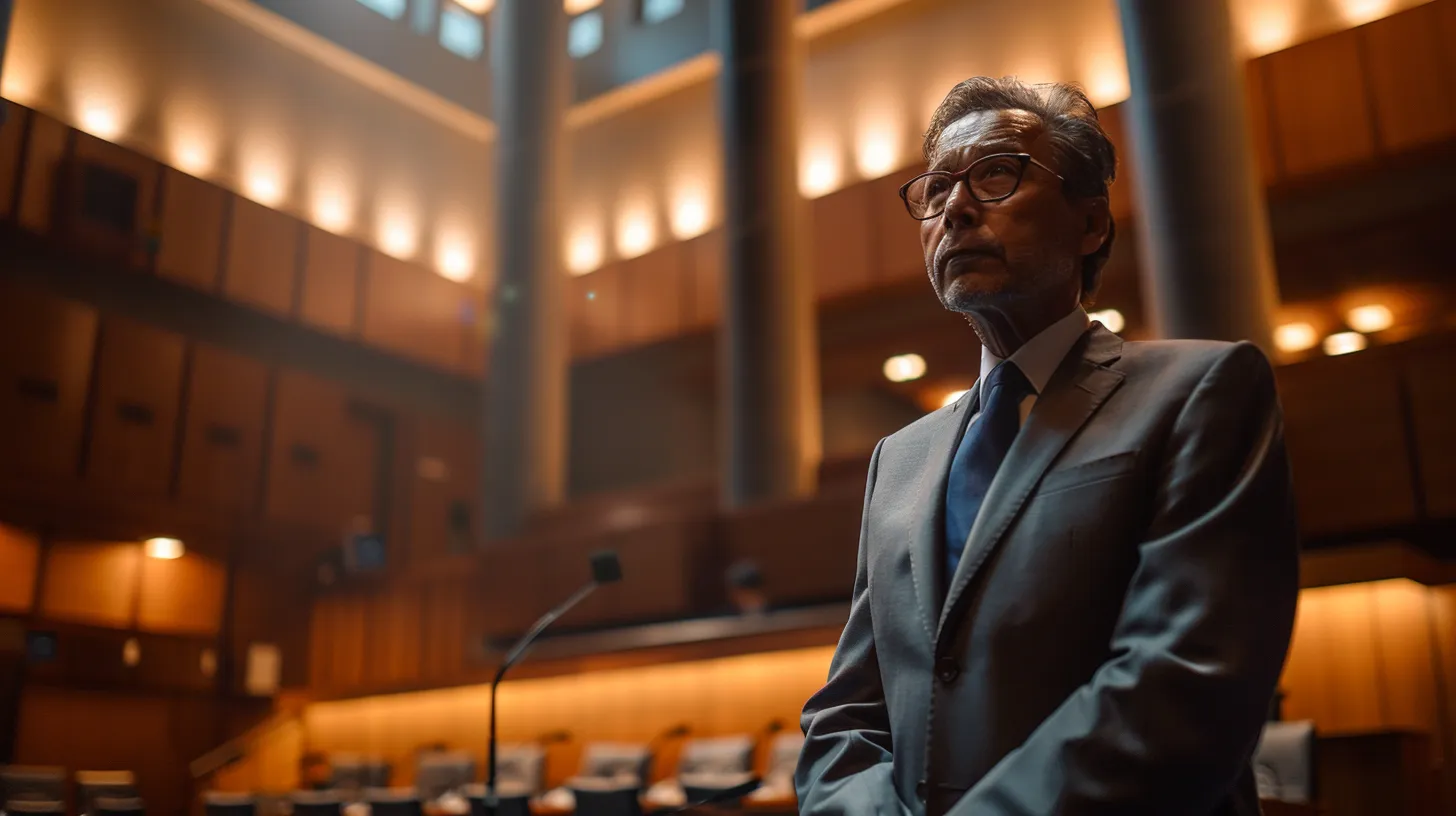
(7, 10)
(769, 373)
(1203, 230)
(525, 392)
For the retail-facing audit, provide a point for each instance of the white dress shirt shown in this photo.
(1038, 358)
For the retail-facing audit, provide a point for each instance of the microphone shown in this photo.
(605, 569)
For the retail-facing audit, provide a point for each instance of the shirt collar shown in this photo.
(1039, 357)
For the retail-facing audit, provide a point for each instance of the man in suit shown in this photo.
(1076, 584)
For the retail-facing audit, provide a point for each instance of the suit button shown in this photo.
(920, 790)
(947, 670)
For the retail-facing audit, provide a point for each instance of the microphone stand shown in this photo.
(492, 800)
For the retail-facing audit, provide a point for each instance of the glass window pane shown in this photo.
(393, 9)
(584, 36)
(422, 18)
(462, 32)
(655, 11)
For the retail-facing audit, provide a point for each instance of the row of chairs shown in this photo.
(42, 790)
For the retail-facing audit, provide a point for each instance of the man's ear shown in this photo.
(1097, 220)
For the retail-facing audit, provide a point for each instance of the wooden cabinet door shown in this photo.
(193, 216)
(222, 445)
(323, 463)
(262, 257)
(46, 349)
(134, 419)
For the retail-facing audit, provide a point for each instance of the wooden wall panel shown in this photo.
(1433, 404)
(19, 555)
(43, 157)
(146, 172)
(443, 475)
(1261, 126)
(91, 583)
(222, 446)
(338, 642)
(182, 596)
(134, 419)
(414, 312)
(839, 244)
(512, 584)
(392, 632)
(708, 256)
(596, 312)
(270, 609)
(331, 283)
(897, 254)
(262, 257)
(1350, 465)
(442, 648)
(1321, 105)
(323, 459)
(46, 348)
(12, 132)
(653, 294)
(1415, 102)
(194, 214)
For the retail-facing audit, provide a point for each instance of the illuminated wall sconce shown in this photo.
(952, 397)
(1344, 343)
(131, 653)
(1110, 318)
(635, 233)
(904, 368)
(574, 7)
(689, 216)
(1270, 28)
(1292, 337)
(877, 152)
(1370, 318)
(454, 260)
(819, 175)
(165, 549)
(193, 156)
(398, 236)
(207, 663)
(265, 187)
(584, 251)
(1359, 12)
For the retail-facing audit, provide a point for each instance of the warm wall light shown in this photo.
(100, 119)
(1269, 28)
(1370, 318)
(1111, 318)
(265, 171)
(689, 215)
(166, 549)
(820, 173)
(1293, 337)
(1107, 81)
(192, 155)
(131, 653)
(477, 6)
(454, 258)
(1344, 343)
(1359, 12)
(398, 235)
(584, 251)
(904, 368)
(574, 7)
(333, 210)
(952, 397)
(635, 232)
(264, 188)
(877, 147)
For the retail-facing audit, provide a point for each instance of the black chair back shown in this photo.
(317, 803)
(508, 805)
(608, 801)
(389, 803)
(229, 804)
(26, 783)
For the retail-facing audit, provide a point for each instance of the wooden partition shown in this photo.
(263, 256)
(420, 316)
(322, 458)
(193, 222)
(134, 417)
(19, 555)
(223, 425)
(12, 137)
(330, 299)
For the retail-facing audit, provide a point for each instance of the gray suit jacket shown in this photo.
(1119, 620)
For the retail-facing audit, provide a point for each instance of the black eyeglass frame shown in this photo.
(963, 176)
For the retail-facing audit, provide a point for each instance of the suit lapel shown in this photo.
(1077, 389)
(927, 544)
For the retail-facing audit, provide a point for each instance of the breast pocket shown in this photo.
(1084, 474)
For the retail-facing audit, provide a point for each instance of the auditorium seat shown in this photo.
(778, 775)
(117, 806)
(606, 798)
(35, 807)
(221, 803)
(706, 767)
(393, 802)
(520, 770)
(605, 767)
(29, 783)
(92, 786)
(507, 806)
(317, 803)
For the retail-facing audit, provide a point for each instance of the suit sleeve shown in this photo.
(1168, 724)
(844, 767)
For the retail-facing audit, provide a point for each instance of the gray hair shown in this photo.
(1085, 154)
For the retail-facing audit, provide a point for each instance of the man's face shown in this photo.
(1001, 254)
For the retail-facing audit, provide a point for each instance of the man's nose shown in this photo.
(961, 208)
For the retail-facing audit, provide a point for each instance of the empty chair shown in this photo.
(440, 772)
(30, 783)
(94, 785)
(605, 766)
(1284, 762)
(520, 770)
(506, 805)
(351, 774)
(34, 807)
(705, 768)
(117, 806)
(220, 803)
(317, 803)
(385, 802)
(595, 797)
(778, 775)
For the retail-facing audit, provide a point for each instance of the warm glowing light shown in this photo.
(166, 549)
(265, 169)
(1111, 318)
(904, 368)
(131, 653)
(952, 397)
(820, 173)
(635, 232)
(574, 7)
(878, 151)
(584, 251)
(100, 119)
(192, 155)
(264, 188)
(477, 6)
(689, 215)
(1370, 318)
(1107, 81)
(1359, 12)
(333, 208)
(1293, 337)
(1344, 343)
(455, 259)
(398, 234)
(1270, 28)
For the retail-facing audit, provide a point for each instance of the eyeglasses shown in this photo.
(989, 178)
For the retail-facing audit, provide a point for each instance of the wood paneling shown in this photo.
(194, 214)
(596, 312)
(840, 243)
(393, 636)
(124, 246)
(1347, 443)
(268, 608)
(414, 312)
(1261, 127)
(820, 567)
(91, 583)
(1415, 101)
(1433, 404)
(897, 253)
(12, 132)
(331, 283)
(181, 596)
(134, 424)
(323, 457)
(446, 606)
(653, 294)
(262, 257)
(222, 446)
(337, 641)
(443, 478)
(46, 347)
(707, 254)
(19, 554)
(43, 157)
(512, 584)
(1321, 105)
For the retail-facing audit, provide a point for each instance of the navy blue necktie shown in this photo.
(979, 456)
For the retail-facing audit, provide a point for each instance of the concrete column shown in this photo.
(1203, 230)
(525, 393)
(769, 372)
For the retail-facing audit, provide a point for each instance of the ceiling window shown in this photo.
(461, 32)
(422, 16)
(584, 36)
(656, 11)
(393, 9)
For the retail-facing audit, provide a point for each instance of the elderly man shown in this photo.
(1076, 585)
